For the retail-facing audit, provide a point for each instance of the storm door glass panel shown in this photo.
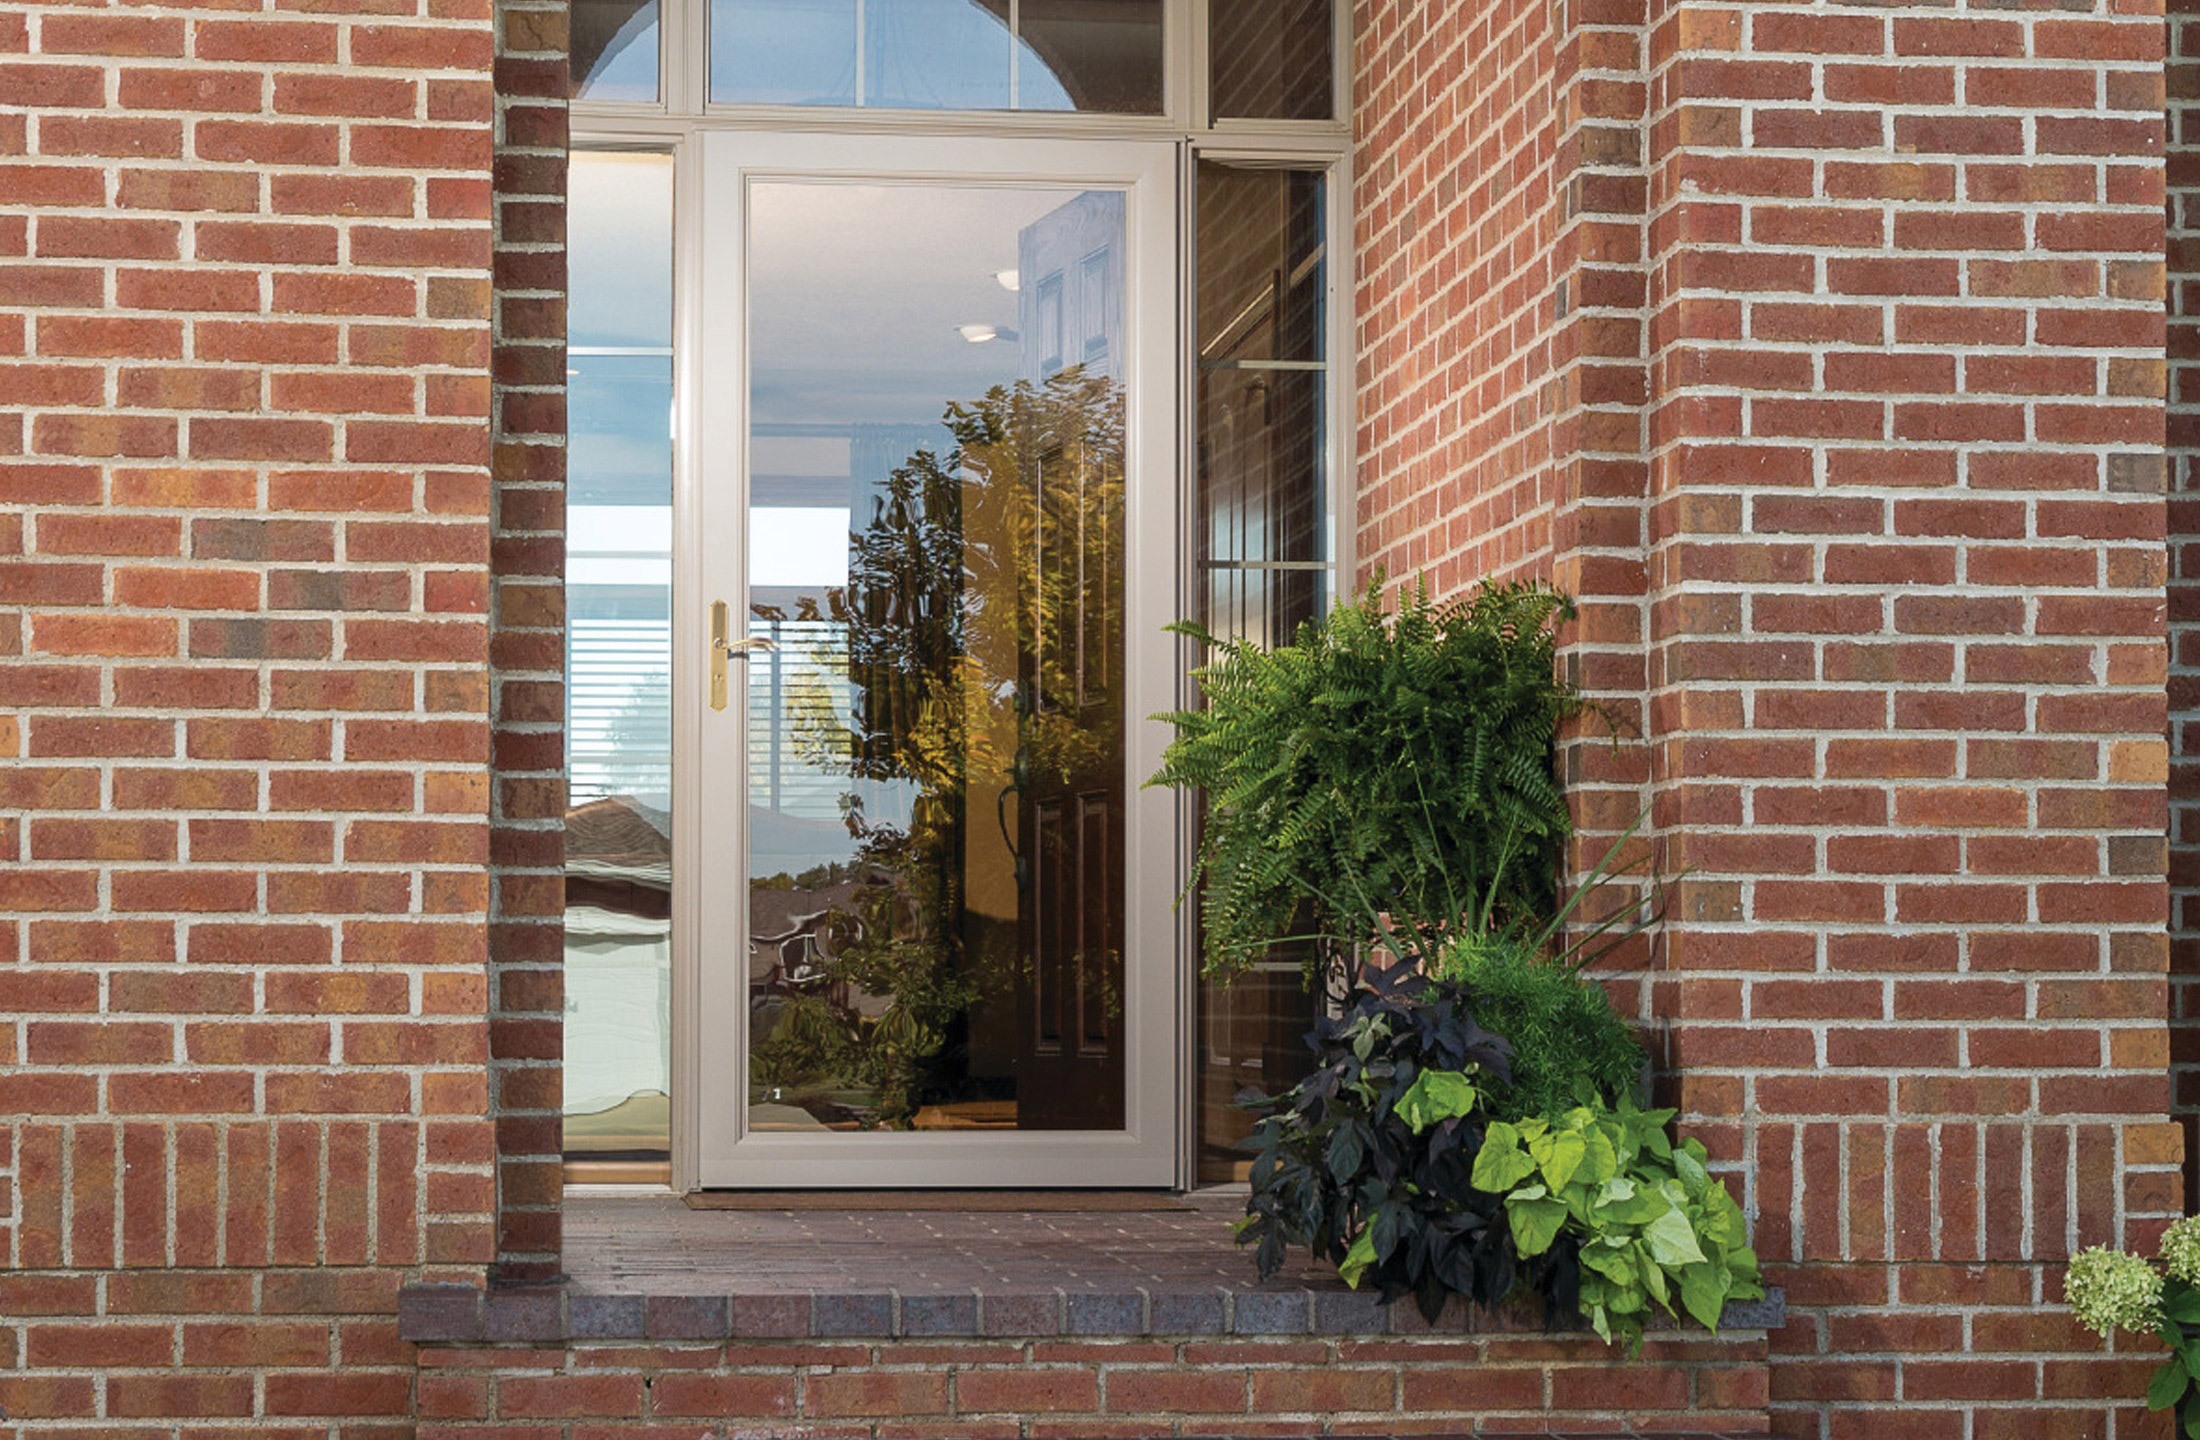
(618, 635)
(614, 50)
(1261, 550)
(936, 739)
(1272, 59)
(1099, 55)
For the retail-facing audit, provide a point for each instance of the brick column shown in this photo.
(527, 651)
(244, 487)
(1907, 671)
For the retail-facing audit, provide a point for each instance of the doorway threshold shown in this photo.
(965, 1202)
(648, 1267)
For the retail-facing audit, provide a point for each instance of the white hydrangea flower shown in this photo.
(2181, 1249)
(2113, 1291)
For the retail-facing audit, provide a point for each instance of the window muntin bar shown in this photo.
(1105, 56)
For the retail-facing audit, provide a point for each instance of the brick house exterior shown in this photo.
(1830, 351)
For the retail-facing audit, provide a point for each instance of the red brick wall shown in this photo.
(1903, 536)
(1120, 1389)
(1459, 109)
(244, 485)
(527, 645)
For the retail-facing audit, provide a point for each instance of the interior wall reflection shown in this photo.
(618, 959)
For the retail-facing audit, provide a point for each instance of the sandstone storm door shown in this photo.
(930, 549)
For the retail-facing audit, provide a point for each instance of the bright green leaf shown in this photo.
(1601, 1162)
(1501, 1164)
(1672, 1240)
(1535, 1224)
(1617, 1265)
(1703, 1293)
(1357, 1259)
(1694, 1178)
(1436, 1096)
(1653, 1278)
(1563, 1158)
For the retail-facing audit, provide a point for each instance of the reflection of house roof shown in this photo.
(776, 914)
(619, 835)
(619, 838)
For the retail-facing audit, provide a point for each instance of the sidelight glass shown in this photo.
(618, 869)
(935, 738)
(1262, 556)
(1095, 55)
(1272, 59)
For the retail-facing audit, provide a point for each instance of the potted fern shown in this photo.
(1383, 788)
(1384, 782)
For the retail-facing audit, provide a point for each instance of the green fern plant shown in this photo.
(1386, 780)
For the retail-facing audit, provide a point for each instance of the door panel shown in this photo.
(937, 485)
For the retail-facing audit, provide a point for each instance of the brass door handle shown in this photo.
(723, 649)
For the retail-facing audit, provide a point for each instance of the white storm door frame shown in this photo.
(711, 563)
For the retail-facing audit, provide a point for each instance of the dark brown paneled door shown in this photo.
(1070, 1006)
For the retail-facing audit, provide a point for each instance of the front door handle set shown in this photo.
(723, 649)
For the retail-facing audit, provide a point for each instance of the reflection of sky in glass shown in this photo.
(626, 67)
(934, 55)
(619, 250)
(915, 55)
(783, 52)
(619, 327)
(618, 417)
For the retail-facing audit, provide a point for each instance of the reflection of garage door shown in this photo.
(634, 1127)
(618, 1049)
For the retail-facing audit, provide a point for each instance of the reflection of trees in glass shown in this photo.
(637, 740)
(973, 588)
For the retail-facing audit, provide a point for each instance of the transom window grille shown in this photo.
(1267, 61)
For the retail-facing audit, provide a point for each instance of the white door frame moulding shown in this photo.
(710, 810)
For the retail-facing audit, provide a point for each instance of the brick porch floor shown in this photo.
(650, 1267)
